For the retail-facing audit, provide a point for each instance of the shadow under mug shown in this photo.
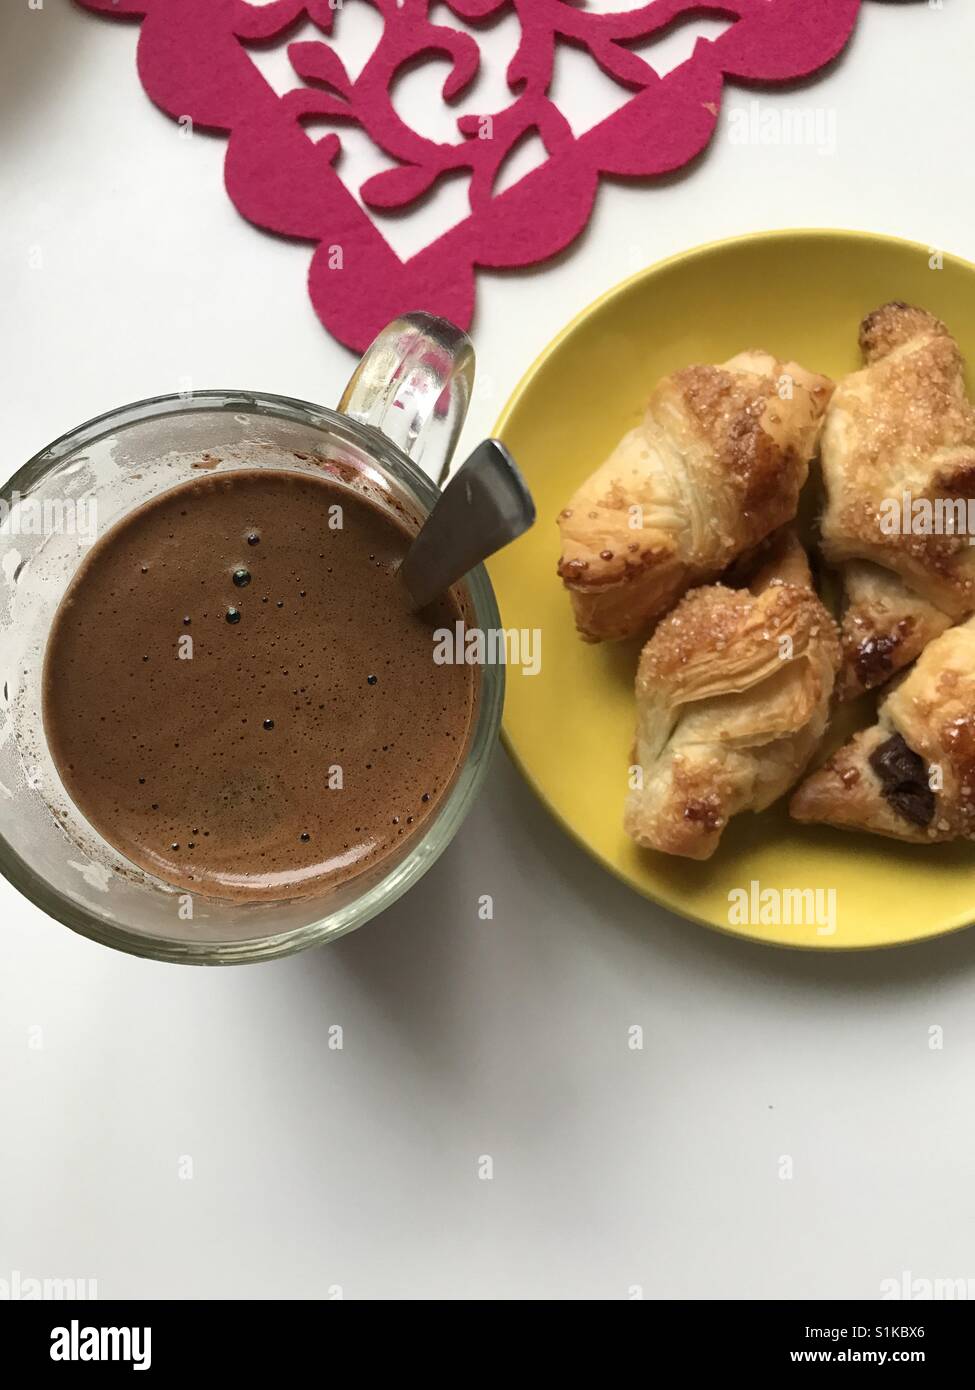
(403, 408)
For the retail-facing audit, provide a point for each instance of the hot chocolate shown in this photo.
(237, 695)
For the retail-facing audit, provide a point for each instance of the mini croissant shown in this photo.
(898, 454)
(733, 694)
(912, 775)
(716, 466)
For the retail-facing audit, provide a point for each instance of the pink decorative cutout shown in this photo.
(194, 61)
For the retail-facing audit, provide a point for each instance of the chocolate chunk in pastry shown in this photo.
(904, 780)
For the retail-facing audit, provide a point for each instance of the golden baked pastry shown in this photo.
(733, 694)
(912, 775)
(898, 452)
(716, 465)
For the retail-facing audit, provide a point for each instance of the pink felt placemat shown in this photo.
(195, 61)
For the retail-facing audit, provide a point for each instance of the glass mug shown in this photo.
(392, 436)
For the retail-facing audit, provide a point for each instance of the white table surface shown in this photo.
(316, 1170)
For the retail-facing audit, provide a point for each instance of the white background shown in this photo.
(315, 1168)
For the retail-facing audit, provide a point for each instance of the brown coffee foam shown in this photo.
(158, 751)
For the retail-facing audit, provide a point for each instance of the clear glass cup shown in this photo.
(392, 436)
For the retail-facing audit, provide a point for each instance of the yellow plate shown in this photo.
(801, 295)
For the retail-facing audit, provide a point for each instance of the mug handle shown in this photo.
(414, 385)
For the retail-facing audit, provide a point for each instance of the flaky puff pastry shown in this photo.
(899, 432)
(733, 694)
(716, 465)
(912, 775)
